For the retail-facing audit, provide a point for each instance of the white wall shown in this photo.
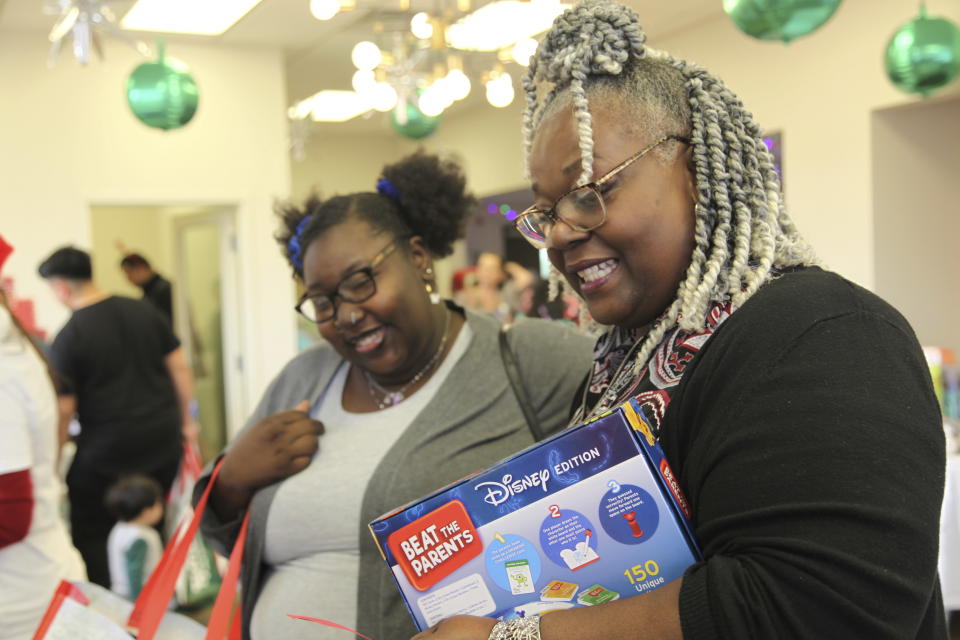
(489, 144)
(338, 164)
(917, 223)
(485, 140)
(820, 92)
(68, 141)
(144, 230)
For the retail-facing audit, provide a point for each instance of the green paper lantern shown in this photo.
(924, 54)
(784, 20)
(409, 121)
(162, 94)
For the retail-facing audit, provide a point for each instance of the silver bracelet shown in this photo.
(519, 629)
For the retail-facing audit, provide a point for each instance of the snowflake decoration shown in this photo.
(85, 21)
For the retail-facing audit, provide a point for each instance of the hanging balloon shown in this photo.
(924, 54)
(409, 121)
(162, 94)
(779, 19)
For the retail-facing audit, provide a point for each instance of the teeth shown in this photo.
(597, 271)
(368, 339)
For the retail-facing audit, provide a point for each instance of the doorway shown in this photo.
(916, 214)
(195, 248)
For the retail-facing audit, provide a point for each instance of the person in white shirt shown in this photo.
(134, 547)
(35, 549)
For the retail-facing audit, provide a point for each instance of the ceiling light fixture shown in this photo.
(502, 23)
(499, 86)
(366, 56)
(331, 106)
(523, 50)
(426, 60)
(421, 26)
(205, 18)
(324, 9)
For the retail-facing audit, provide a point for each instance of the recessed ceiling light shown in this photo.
(203, 17)
(502, 23)
(334, 106)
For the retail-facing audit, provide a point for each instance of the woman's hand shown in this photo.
(275, 448)
(459, 628)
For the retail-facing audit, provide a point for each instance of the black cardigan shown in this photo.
(810, 444)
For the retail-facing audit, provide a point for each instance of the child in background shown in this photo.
(134, 546)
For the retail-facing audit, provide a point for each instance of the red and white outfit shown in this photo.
(31, 566)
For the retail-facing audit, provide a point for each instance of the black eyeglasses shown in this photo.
(358, 286)
(582, 208)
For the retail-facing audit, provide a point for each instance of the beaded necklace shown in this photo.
(390, 398)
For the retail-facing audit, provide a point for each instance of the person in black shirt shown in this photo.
(128, 382)
(156, 289)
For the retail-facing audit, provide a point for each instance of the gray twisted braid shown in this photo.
(742, 232)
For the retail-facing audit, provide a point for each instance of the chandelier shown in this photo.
(417, 64)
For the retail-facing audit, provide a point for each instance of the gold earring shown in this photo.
(434, 296)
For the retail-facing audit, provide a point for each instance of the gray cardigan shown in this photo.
(473, 421)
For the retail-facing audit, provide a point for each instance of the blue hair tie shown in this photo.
(293, 244)
(385, 187)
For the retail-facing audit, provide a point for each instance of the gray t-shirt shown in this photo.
(311, 535)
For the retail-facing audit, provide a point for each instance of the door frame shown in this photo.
(231, 325)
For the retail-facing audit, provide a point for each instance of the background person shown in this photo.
(563, 308)
(484, 295)
(501, 289)
(517, 291)
(134, 546)
(462, 279)
(794, 406)
(408, 394)
(157, 290)
(35, 548)
(131, 388)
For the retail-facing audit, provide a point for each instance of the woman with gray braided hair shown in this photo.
(406, 393)
(794, 406)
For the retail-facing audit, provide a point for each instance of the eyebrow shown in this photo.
(570, 168)
(352, 268)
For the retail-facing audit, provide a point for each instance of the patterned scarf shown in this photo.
(614, 358)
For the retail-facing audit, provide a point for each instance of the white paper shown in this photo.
(468, 596)
(76, 622)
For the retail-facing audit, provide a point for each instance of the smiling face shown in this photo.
(628, 269)
(393, 334)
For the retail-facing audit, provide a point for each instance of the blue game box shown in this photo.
(588, 516)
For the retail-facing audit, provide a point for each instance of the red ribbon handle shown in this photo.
(151, 605)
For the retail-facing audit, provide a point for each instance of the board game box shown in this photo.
(588, 516)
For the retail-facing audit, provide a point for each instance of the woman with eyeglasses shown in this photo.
(794, 406)
(406, 393)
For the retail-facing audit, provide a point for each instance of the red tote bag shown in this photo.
(66, 618)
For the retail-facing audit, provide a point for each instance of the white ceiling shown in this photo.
(318, 53)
